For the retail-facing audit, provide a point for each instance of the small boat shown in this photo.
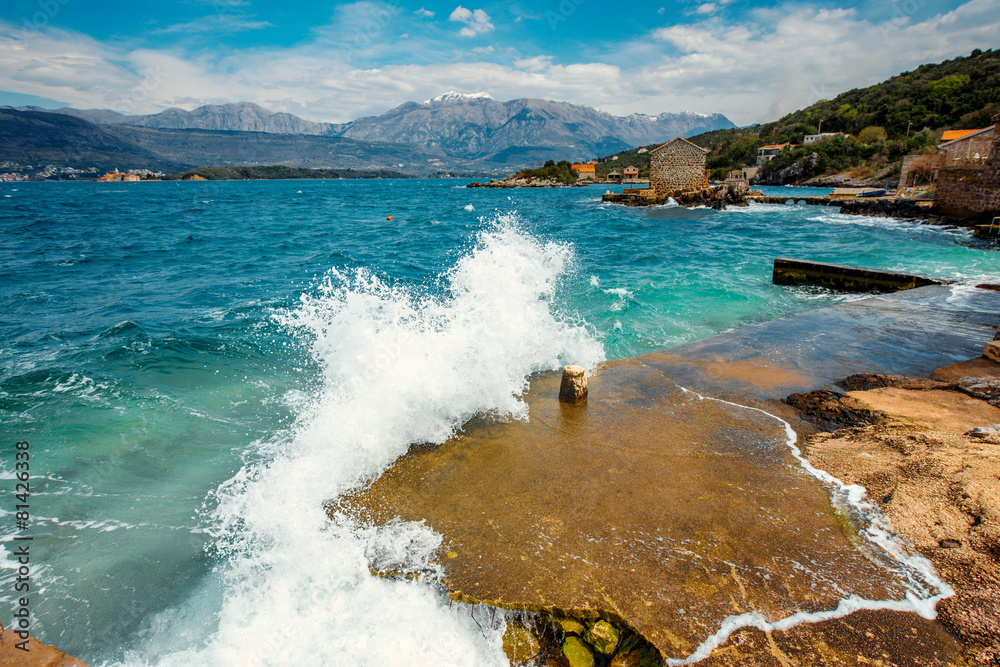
(872, 193)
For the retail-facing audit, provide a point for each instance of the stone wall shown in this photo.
(678, 166)
(910, 175)
(966, 150)
(971, 189)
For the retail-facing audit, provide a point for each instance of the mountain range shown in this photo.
(452, 131)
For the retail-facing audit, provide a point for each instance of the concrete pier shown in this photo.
(846, 278)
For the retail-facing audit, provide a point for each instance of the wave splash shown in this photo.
(398, 367)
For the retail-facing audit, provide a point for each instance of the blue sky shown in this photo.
(338, 61)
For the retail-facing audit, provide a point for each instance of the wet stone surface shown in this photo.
(664, 512)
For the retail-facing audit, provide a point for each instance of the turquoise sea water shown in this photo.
(198, 366)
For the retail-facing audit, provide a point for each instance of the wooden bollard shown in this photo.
(574, 385)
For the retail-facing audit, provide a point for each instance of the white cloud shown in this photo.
(425, 13)
(788, 57)
(707, 8)
(536, 64)
(215, 23)
(475, 20)
(771, 63)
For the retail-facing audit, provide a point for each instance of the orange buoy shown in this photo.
(389, 218)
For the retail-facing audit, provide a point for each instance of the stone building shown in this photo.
(959, 148)
(966, 146)
(630, 173)
(677, 166)
(971, 185)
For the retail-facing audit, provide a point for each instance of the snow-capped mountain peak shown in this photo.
(453, 96)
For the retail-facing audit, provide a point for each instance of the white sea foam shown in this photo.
(924, 588)
(469, 207)
(623, 297)
(399, 368)
(889, 223)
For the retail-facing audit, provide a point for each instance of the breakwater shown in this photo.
(846, 278)
(719, 197)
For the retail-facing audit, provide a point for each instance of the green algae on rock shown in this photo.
(571, 626)
(577, 652)
(603, 637)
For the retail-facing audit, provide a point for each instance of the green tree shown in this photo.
(871, 134)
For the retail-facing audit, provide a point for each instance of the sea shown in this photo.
(194, 368)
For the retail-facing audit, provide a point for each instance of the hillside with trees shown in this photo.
(904, 115)
(558, 172)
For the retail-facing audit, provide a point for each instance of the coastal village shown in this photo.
(963, 177)
(958, 182)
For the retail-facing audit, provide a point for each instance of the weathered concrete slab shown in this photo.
(846, 278)
(907, 333)
(666, 513)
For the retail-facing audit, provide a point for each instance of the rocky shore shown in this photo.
(793, 175)
(518, 182)
(927, 452)
(18, 652)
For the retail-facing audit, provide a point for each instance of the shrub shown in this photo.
(871, 134)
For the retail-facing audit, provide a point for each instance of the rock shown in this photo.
(520, 644)
(832, 410)
(577, 652)
(992, 350)
(940, 494)
(865, 381)
(574, 385)
(790, 174)
(603, 637)
(984, 389)
(984, 431)
(37, 655)
(885, 208)
(515, 181)
(636, 654)
(571, 626)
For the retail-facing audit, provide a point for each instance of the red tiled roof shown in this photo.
(952, 135)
